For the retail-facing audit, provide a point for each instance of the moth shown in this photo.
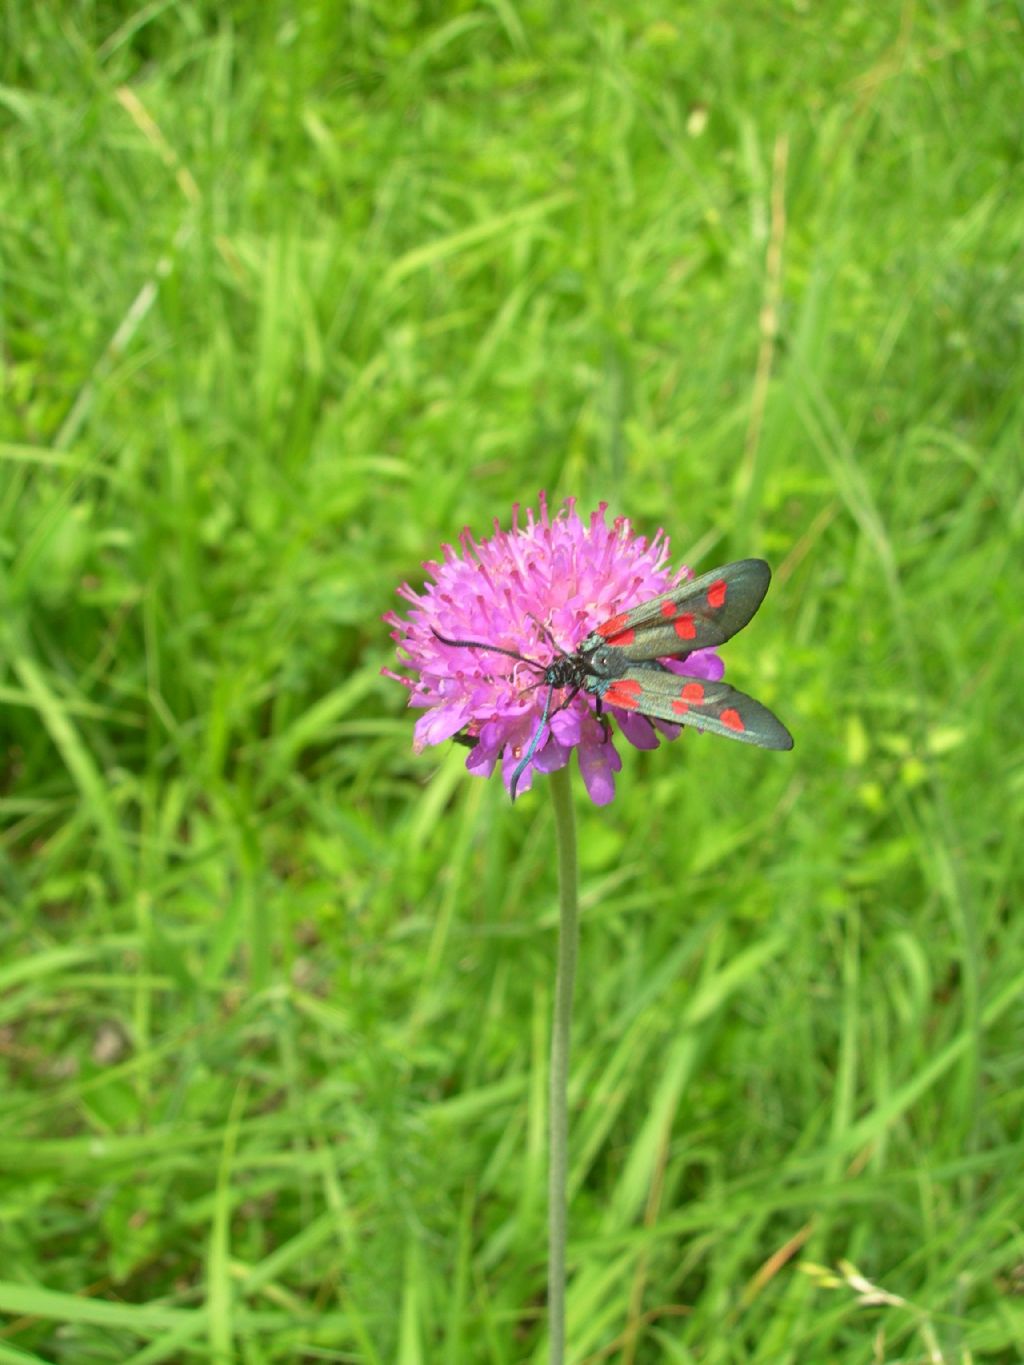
(620, 662)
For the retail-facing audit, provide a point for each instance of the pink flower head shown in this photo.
(548, 583)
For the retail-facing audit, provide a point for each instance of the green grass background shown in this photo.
(291, 293)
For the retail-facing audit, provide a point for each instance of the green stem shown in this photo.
(558, 1112)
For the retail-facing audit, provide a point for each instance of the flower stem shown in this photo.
(558, 1109)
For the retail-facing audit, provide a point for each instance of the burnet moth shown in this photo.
(619, 662)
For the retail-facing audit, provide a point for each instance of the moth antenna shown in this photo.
(480, 644)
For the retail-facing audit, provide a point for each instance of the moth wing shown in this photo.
(712, 706)
(699, 614)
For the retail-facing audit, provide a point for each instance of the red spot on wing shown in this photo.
(716, 593)
(731, 717)
(668, 609)
(624, 637)
(624, 692)
(612, 626)
(685, 627)
(691, 694)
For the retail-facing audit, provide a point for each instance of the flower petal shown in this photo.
(637, 729)
(437, 725)
(599, 762)
(702, 663)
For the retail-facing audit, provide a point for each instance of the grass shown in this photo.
(291, 294)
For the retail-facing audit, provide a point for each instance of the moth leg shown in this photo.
(600, 716)
(568, 701)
